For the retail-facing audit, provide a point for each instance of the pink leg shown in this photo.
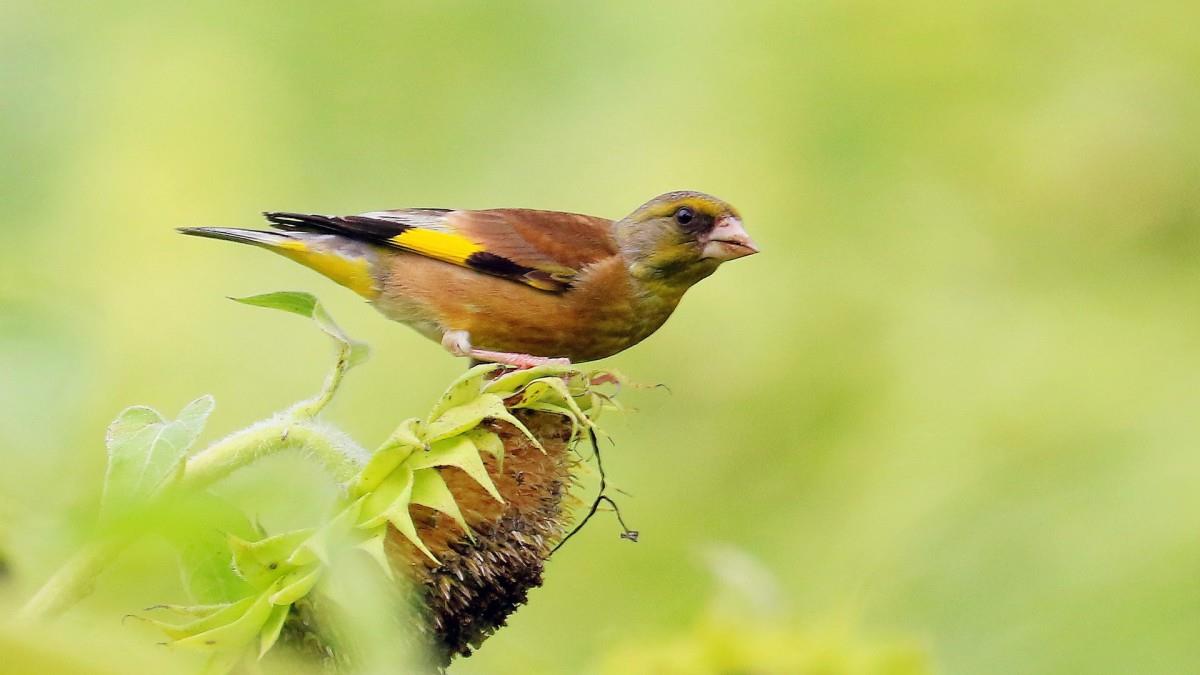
(458, 343)
(518, 360)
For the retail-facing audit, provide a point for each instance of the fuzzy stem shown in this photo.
(340, 456)
(307, 410)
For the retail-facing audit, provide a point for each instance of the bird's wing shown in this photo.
(544, 249)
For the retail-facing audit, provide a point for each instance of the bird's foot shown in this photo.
(458, 343)
(517, 360)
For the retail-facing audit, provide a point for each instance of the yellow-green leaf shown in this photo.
(373, 546)
(489, 442)
(553, 391)
(237, 628)
(394, 491)
(557, 410)
(306, 304)
(509, 383)
(272, 628)
(146, 452)
(401, 519)
(209, 617)
(463, 390)
(464, 417)
(459, 452)
(261, 562)
(506, 416)
(296, 585)
(402, 443)
(192, 611)
(429, 489)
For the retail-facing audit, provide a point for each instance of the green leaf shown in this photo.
(210, 617)
(555, 392)
(187, 611)
(373, 546)
(464, 390)
(269, 635)
(395, 491)
(146, 452)
(489, 442)
(306, 304)
(506, 416)
(407, 434)
(389, 504)
(459, 452)
(237, 632)
(512, 382)
(296, 585)
(402, 520)
(262, 562)
(429, 489)
(557, 410)
(403, 441)
(205, 564)
(381, 465)
(200, 526)
(463, 417)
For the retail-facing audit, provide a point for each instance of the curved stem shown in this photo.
(340, 456)
(307, 410)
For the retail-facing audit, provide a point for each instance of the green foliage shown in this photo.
(146, 453)
(718, 648)
(745, 630)
(282, 569)
(307, 305)
(245, 581)
(204, 552)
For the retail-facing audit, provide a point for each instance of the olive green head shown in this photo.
(681, 237)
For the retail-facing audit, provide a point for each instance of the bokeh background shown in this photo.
(955, 403)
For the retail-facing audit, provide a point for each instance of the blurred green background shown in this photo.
(955, 401)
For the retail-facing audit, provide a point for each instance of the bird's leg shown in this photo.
(517, 360)
(458, 343)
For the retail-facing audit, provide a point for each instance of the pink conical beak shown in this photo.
(728, 240)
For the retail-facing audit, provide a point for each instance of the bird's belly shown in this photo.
(583, 324)
(581, 331)
(562, 331)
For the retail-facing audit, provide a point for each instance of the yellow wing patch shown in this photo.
(451, 248)
(353, 273)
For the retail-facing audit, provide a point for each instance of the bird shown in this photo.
(512, 286)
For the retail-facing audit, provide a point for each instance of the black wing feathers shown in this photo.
(361, 227)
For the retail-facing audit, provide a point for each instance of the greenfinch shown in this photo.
(516, 286)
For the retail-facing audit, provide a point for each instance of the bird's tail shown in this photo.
(348, 262)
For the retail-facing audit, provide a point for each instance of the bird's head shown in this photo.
(681, 237)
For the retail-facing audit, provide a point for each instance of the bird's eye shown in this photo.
(684, 215)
